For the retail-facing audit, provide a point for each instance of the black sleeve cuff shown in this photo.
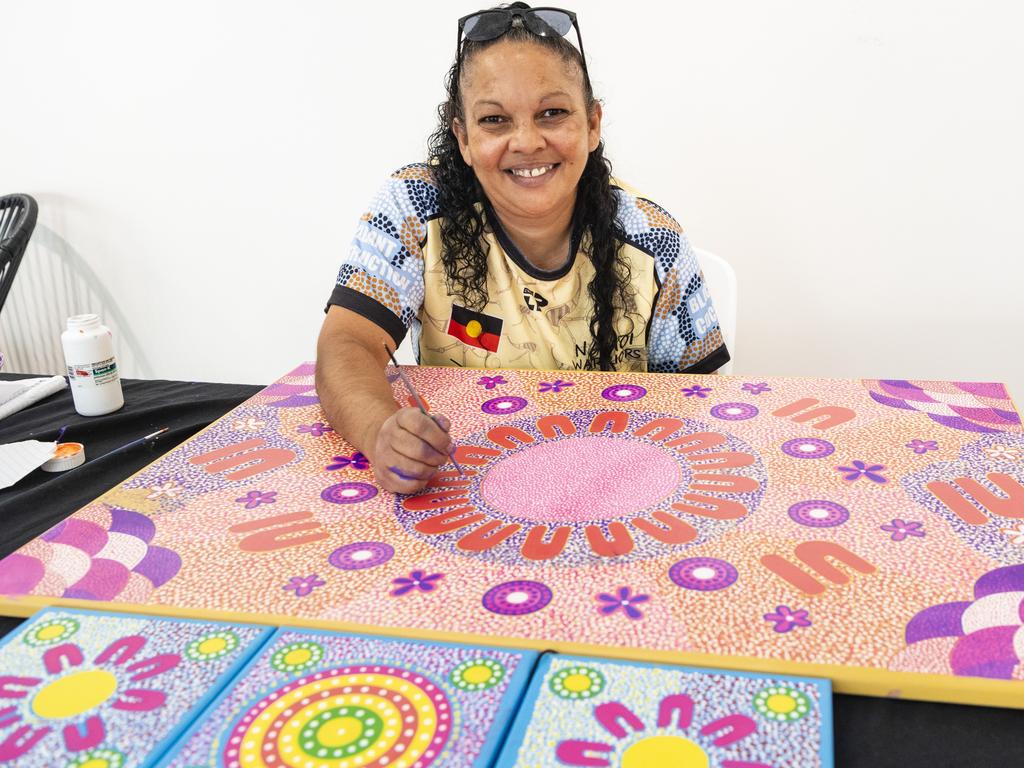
(371, 309)
(711, 363)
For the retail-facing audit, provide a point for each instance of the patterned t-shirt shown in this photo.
(394, 276)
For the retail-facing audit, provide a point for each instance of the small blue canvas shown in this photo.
(110, 690)
(353, 701)
(593, 712)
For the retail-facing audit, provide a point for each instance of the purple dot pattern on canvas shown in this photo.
(516, 598)
(360, 555)
(819, 513)
(808, 448)
(624, 393)
(499, 406)
(734, 411)
(704, 574)
(348, 493)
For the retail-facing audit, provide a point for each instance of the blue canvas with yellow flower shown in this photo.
(352, 701)
(592, 712)
(80, 689)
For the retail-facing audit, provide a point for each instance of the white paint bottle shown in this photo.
(92, 369)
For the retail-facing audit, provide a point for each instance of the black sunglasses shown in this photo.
(543, 22)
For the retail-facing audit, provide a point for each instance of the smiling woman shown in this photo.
(512, 247)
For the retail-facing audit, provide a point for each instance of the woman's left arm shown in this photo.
(685, 336)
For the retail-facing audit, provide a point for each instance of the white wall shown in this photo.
(859, 163)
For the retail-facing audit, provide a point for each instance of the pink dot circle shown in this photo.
(590, 477)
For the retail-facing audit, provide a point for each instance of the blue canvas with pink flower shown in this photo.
(596, 713)
(81, 689)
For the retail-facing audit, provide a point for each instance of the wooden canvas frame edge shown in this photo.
(860, 681)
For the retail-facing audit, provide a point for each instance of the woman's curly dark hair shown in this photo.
(462, 226)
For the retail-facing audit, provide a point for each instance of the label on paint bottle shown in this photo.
(93, 374)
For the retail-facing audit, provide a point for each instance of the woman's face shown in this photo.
(526, 133)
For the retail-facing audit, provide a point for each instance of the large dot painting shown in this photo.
(803, 522)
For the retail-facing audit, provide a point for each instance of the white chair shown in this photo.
(721, 281)
(55, 282)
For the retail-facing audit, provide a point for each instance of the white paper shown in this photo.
(11, 389)
(16, 395)
(18, 459)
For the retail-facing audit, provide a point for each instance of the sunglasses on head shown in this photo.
(543, 22)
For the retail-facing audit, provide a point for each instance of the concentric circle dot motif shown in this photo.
(808, 448)
(477, 674)
(734, 411)
(51, 632)
(297, 656)
(360, 555)
(348, 493)
(623, 393)
(703, 574)
(212, 645)
(499, 406)
(516, 598)
(782, 704)
(341, 732)
(98, 758)
(819, 513)
(345, 717)
(576, 683)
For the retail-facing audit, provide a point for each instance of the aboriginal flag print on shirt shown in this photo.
(475, 328)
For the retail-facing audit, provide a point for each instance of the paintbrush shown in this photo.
(419, 402)
(123, 448)
(133, 443)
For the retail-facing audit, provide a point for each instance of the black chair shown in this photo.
(17, 220)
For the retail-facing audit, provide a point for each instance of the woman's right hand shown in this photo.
(408, 449)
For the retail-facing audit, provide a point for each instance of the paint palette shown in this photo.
(82, 689)
(591, 712)
(867, 531)
(346, 701)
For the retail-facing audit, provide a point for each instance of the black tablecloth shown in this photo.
(869, 733)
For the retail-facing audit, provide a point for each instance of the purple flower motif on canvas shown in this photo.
(860, 469)
(785, 618)
(756, 389)
(625, 600)
(554, 386)
(923, 446)
(416, 580)
(490, 382)
(254, 498)
(316, 430)
(900, 529)
(695, 391)
(303, 585)
(355, 461)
